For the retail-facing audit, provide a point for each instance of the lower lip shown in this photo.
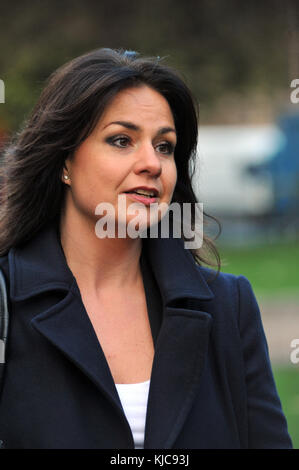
(143, 199)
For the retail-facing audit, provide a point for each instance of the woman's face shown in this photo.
(130, 153)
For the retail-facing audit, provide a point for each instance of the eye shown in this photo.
(120, 141)
(165, 147)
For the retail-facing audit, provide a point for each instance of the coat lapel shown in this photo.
(178, 364)
(182, 344)
(67, 326)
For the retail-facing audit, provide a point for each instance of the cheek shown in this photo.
(89, 171)
(171, 177)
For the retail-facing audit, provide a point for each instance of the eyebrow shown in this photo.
(134, 127)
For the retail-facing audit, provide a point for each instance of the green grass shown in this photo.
(271, 268)
(287, 382)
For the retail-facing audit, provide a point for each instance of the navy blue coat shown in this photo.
(211, 383)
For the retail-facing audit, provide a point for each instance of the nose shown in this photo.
(148, 161)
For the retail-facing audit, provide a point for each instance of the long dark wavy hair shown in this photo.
(32, 192)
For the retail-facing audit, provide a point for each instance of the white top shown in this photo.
(133, 398)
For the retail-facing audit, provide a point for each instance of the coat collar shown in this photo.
(174, 268)
(182, 343)
(40, 265)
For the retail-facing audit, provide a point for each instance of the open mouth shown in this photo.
(143, 192)
(146, 197)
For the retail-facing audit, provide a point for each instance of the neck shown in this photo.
(96, 262)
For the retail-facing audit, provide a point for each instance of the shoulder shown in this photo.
(234, 301)
(225, 283)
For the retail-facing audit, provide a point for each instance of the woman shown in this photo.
(123, 341)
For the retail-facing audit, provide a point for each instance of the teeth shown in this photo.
(143, 192)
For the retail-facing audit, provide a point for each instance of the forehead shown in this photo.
(138, 103)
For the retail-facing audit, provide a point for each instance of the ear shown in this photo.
(65, 176)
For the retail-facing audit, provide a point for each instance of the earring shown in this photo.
(66, 177)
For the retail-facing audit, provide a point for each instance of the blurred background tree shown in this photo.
(231, 52)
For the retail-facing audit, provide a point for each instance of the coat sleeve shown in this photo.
(267, 426)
